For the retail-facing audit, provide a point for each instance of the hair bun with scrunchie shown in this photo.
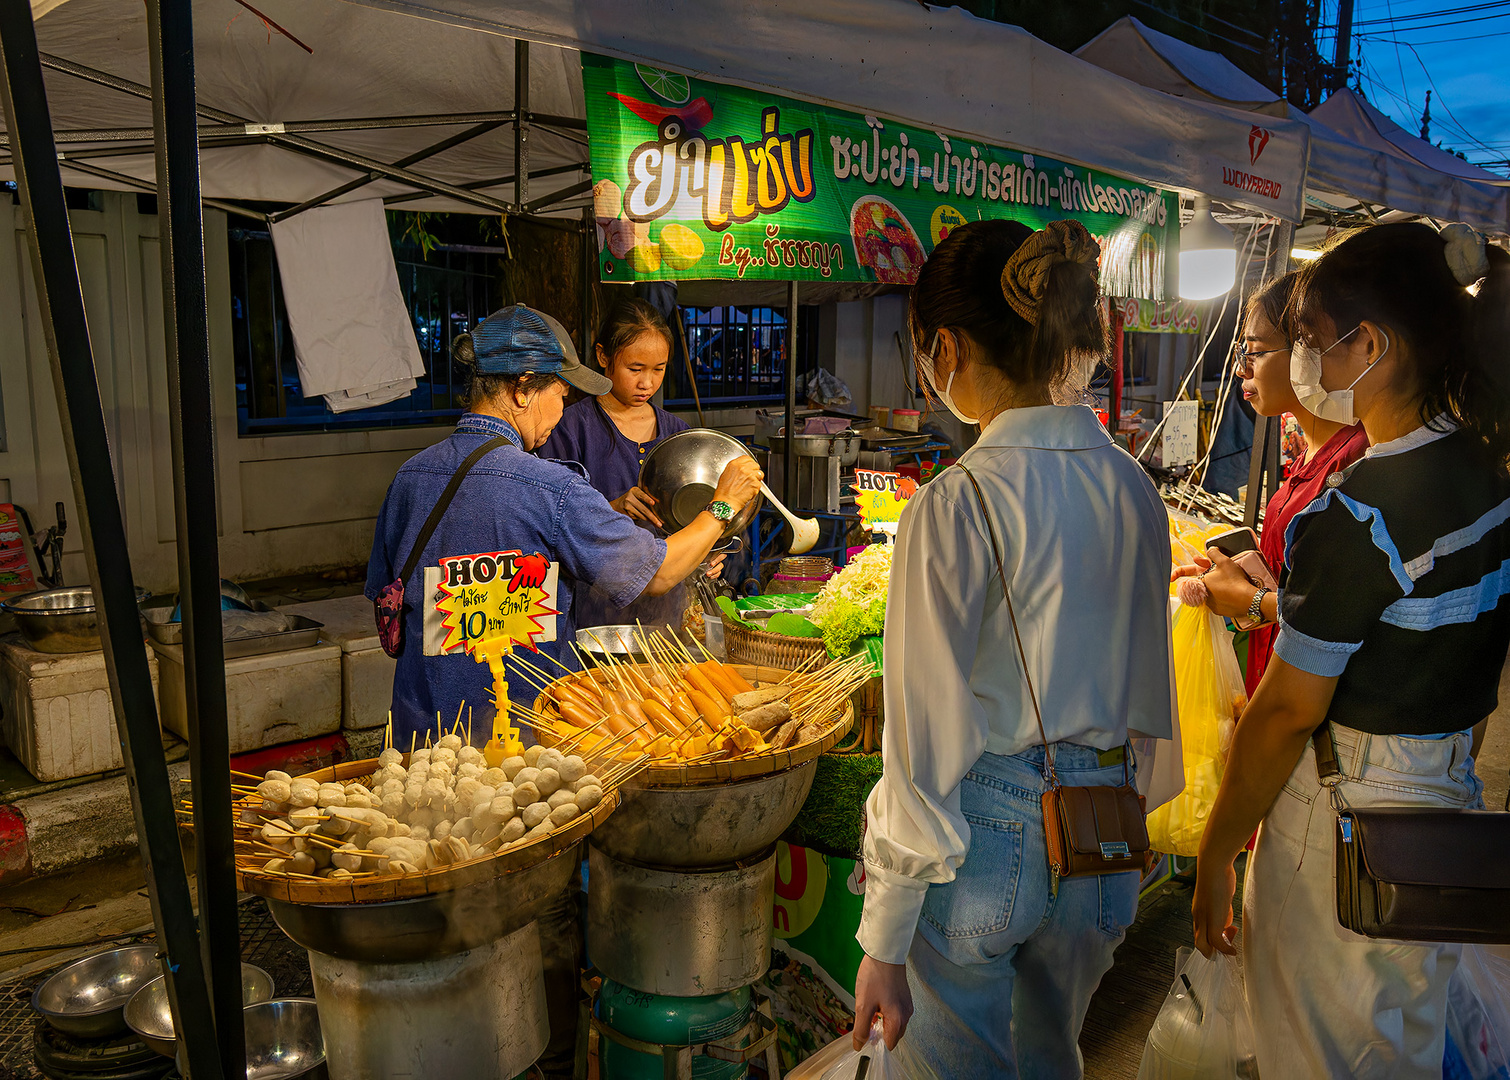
(1463, 248)
(1025, 279)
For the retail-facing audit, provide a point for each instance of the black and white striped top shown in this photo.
(1395, 582)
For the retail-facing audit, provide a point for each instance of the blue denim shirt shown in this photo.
(510, 500)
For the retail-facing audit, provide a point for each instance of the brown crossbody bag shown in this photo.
(1088, 830)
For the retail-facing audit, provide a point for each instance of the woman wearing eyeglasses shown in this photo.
(1263, 362)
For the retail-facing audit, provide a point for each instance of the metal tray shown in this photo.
(892, 439)
(301, 634)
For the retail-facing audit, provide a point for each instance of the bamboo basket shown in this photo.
(765, 649)
(297, 889)
(740, 768)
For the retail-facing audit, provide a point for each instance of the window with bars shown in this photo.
(739, 354)
(447, 291)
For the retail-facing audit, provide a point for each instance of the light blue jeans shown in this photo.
(1005, 961)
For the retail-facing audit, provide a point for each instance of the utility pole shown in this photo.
(1426, 120)
(1344, 42)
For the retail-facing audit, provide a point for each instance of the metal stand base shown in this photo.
(479, 1014)
(683, 932)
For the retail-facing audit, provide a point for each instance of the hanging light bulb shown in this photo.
(1208, 255)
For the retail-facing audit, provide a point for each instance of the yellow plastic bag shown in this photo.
(1209, 684)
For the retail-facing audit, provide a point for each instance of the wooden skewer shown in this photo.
(249, 776)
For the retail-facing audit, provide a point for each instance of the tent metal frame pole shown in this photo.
(60, 300)
(290, 142)
(521, 125)
(362, 181)
(151, 189)
(191, 411)
(789, 452)
(1263, 465)
(496, 181)
(291, 127)
(569, 192)
(144, 149)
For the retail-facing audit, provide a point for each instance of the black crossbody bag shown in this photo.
(389, 607)
(1419, 873)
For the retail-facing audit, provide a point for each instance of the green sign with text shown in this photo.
(694, 179)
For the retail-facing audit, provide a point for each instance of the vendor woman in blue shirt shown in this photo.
(609, 434)
(521, 362)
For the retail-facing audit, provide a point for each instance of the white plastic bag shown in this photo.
(839, 1061)
(1478, 1016)
(1203, 1031)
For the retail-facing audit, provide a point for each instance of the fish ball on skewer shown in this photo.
(470, 755)
(278, 833)
(535, 813)
(440, 830)
(502, 808)
(489, 834)
(466, 791)
(275, 866)
(300, 863)
(451, 742)
(527, 775)
(331, 795)
(337, 824)
(419, 832)
(511, 831)
(560, 798)
(435, 791)
(422, 754)
(468, 771)
(588, 797)
(390, 756)
(532, 755)
(495, 776)
(306, 794)
(439, 852)
(587, 780)
(524, 794)
(305, 816)
(550, 758)
(564, 813)
(461, 851)
(465, 828)
(548, 782)
(393, 804)
(274, 791)
(346, 857)
(443, 756)
(572, 768)
(277, 774)
(419, 771)
(511, 766)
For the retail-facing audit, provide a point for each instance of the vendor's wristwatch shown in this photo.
(721, 510)
(1256, 609)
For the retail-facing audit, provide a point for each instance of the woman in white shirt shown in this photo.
(964, 921)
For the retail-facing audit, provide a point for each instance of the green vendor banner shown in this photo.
(694, 179)
(1160, 316)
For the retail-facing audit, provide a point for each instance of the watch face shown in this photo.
(721, 510)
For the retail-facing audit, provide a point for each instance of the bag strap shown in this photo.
(1048, 750)
(427, 530)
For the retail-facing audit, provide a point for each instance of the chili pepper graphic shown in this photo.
(529, 572)
(694, 115)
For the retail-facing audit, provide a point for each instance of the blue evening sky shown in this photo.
(1458, 49)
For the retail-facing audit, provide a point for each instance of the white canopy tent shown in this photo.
(1358, 155)
(378, 86)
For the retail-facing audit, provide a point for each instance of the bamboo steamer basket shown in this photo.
(298, 889)
(745, 767)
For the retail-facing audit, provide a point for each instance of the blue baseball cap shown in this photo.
(517, 340)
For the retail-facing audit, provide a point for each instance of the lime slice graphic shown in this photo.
(667, 85)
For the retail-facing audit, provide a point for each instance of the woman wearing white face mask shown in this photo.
(1393, 630)
(963, 919)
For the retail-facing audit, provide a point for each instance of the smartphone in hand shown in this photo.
(1234, 543)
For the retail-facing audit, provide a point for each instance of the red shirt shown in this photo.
(1303, 487)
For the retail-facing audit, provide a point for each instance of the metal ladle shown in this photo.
(804, 530)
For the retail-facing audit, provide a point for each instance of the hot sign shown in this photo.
(505, 598)
(880, 497)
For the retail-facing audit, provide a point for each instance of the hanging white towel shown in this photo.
(353, 336)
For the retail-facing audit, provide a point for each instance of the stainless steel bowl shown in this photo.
(704, 825)
(681, 473)
(619, 642)
(283, 1040)
(59, 620)
(88, 997)
(148, 1014)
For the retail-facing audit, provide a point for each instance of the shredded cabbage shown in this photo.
(853, 603)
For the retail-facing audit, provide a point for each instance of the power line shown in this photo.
(1471, 9)
(1432, 41)
(1440, 25)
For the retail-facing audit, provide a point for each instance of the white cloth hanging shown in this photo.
(353, 335)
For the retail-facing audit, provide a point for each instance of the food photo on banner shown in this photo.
(696, 180)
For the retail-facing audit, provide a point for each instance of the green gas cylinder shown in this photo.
(673, 1021)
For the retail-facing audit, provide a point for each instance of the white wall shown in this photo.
(288, 503)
